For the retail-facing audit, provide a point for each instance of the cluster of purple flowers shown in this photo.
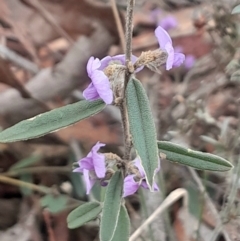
(93, 168)
(100, 85)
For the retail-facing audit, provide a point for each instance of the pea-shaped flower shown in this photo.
(92, 166)
(168, 23)
(133, 182)
(165, 42)
(99, 88)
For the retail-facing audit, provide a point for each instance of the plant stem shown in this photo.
(14, 182)
(123, 104)
(129, 23)
(126, 130)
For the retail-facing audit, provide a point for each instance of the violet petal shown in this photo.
(90, 93)
(189, 61)
(163, 37)
(138, 164)
(98, 160)
(88, 181)
(78, 169)
(102, 85)
(129, 186)
(168, 23)
(170, 58)
(178, 59)
(145, 186)
(92, 65)
(105, 62)
(99, 165)
(86, 163)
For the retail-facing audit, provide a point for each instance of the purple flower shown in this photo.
(165, 42)
(118, 59)
(154, 15)
(99, 88)
(92, 166)
(130, 186)
(168, 23)
(189, 61)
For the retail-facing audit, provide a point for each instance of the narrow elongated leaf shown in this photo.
(196, 159)
(123, 226)
(83, 214)
(51, 121)
(111, 207)
(236, 10)
(142, 128)
(54, 204)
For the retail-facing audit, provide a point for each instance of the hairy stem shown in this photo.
(123, 104)
(129, 23)
(126, 130)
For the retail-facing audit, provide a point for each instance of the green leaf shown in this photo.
(51, 121)
(142, 128)
(54, 204)
(111, 207)
(26, 178)
(196, 159)
(25, 162)
(236, 9)
(78, 185)
(123, 226)
(83, 214)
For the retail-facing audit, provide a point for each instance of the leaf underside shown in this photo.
(51, 121)
(196, 159)
(142, 128)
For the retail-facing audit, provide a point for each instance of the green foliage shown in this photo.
(51, 121)
(25, 162)
(236, 10)
(123, 226)
(26, 178)
(55, 204)
(111, 207)
(83, 214)
(196, 159)
(78, 185)
(142, 128)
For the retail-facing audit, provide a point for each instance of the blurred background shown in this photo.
(44, 48)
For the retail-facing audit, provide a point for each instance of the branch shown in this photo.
(18, 60)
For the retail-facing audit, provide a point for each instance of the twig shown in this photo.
(47, 219)
(18, 60)
(118, 23)
(14, 182)
(129, 23)
(170, 199)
